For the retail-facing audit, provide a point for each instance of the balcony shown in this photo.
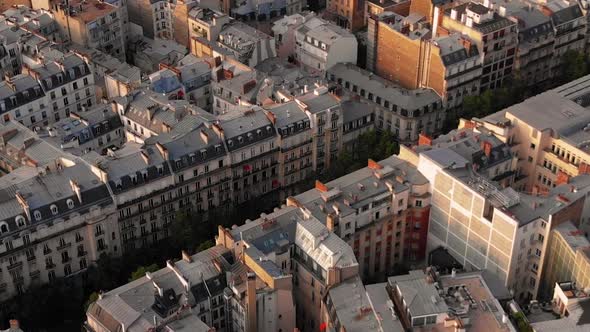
(49, 266)
(64, 246)
(15, 265)
(82, 253)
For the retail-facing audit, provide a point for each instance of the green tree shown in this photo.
(142, 270)
(574, 65)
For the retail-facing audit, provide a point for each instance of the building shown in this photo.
(122, 81)
(571, 305)
(406, 113)
(381, 211)
(424, 301)
(96, 129)
(484, 223)
(405, 50)
(148, 54)
(319, 45)
(292, 246)
(25, 101)
(187, 295)
(57, 215)
(349, 15)
(567, 259)
(206, 23)
(246, 44)
(93, 24)
(68, 84)
(548, 132)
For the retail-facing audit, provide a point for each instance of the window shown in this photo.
(20, 221)
(3, 227)
(37, 215)
(53, 209)
(70, 204)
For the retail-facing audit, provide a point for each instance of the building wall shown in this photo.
(398, 58)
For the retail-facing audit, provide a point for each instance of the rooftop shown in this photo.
(90, 10)
(387, 90)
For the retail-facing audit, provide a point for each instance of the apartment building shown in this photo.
(155, 17)
(57, 216)
(425, 301)
(96, 129)
(187, 295)
(293, 247)
(548, 133)
(122, 81)
(92, 24)
(24, 101)
(348, 15)
(482, 221)
(451, 64)
(380, 211)
(494, 35)
(319, 45)
(206, 23)
(247, 45)
(567, 259)
(405, 113)
(68, 84)
(294, 141)
(235, 86)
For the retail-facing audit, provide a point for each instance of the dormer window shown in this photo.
(204, 154)
(82, 69)
(70, 204)
(134, 179)
(119, 184)
(26, 94)
(144, 174)
(250, 136)
(217, 148)
(230, 143)
(160, 169)
(259, 132)
(72, 73)
(13, 100)
(268, 129)
(240, 139)
(48, 82)
(3, 227)
(178, 163)
(20, 221)
(37, 215)
(53, 209)
(60, 78)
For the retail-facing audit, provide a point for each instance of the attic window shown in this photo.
(37, 215)
(144, 174)
(178, 163)
(118, 184)
(259, 132)
(240, 139)
(3, 227)
(217, 148)
(160, 169)
(70, 204)
(20, 221)
(71, 73)
(60, 78)
(53, 209)
(134, 179)
(82, 69)
(204, 154)
(268, 128)
(250, 136)
(230, 143)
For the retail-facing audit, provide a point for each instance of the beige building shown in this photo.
(483, 222)
(548, 133)
(92, 24)
(57, 217)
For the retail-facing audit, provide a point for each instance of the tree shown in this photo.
(142, 270)
(574, 65)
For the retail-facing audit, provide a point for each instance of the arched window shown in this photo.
(70, 204)
(20, 221)
(3, 227)
(37, 215)
(53, 209)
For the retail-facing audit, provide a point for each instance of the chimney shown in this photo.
(76, 188)
(320, 186)
(186, 257)
(332, 222)
(205, 137)
(251, 303)
(562, 178)
(374, 165)
(424, 139)
(487, 148)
